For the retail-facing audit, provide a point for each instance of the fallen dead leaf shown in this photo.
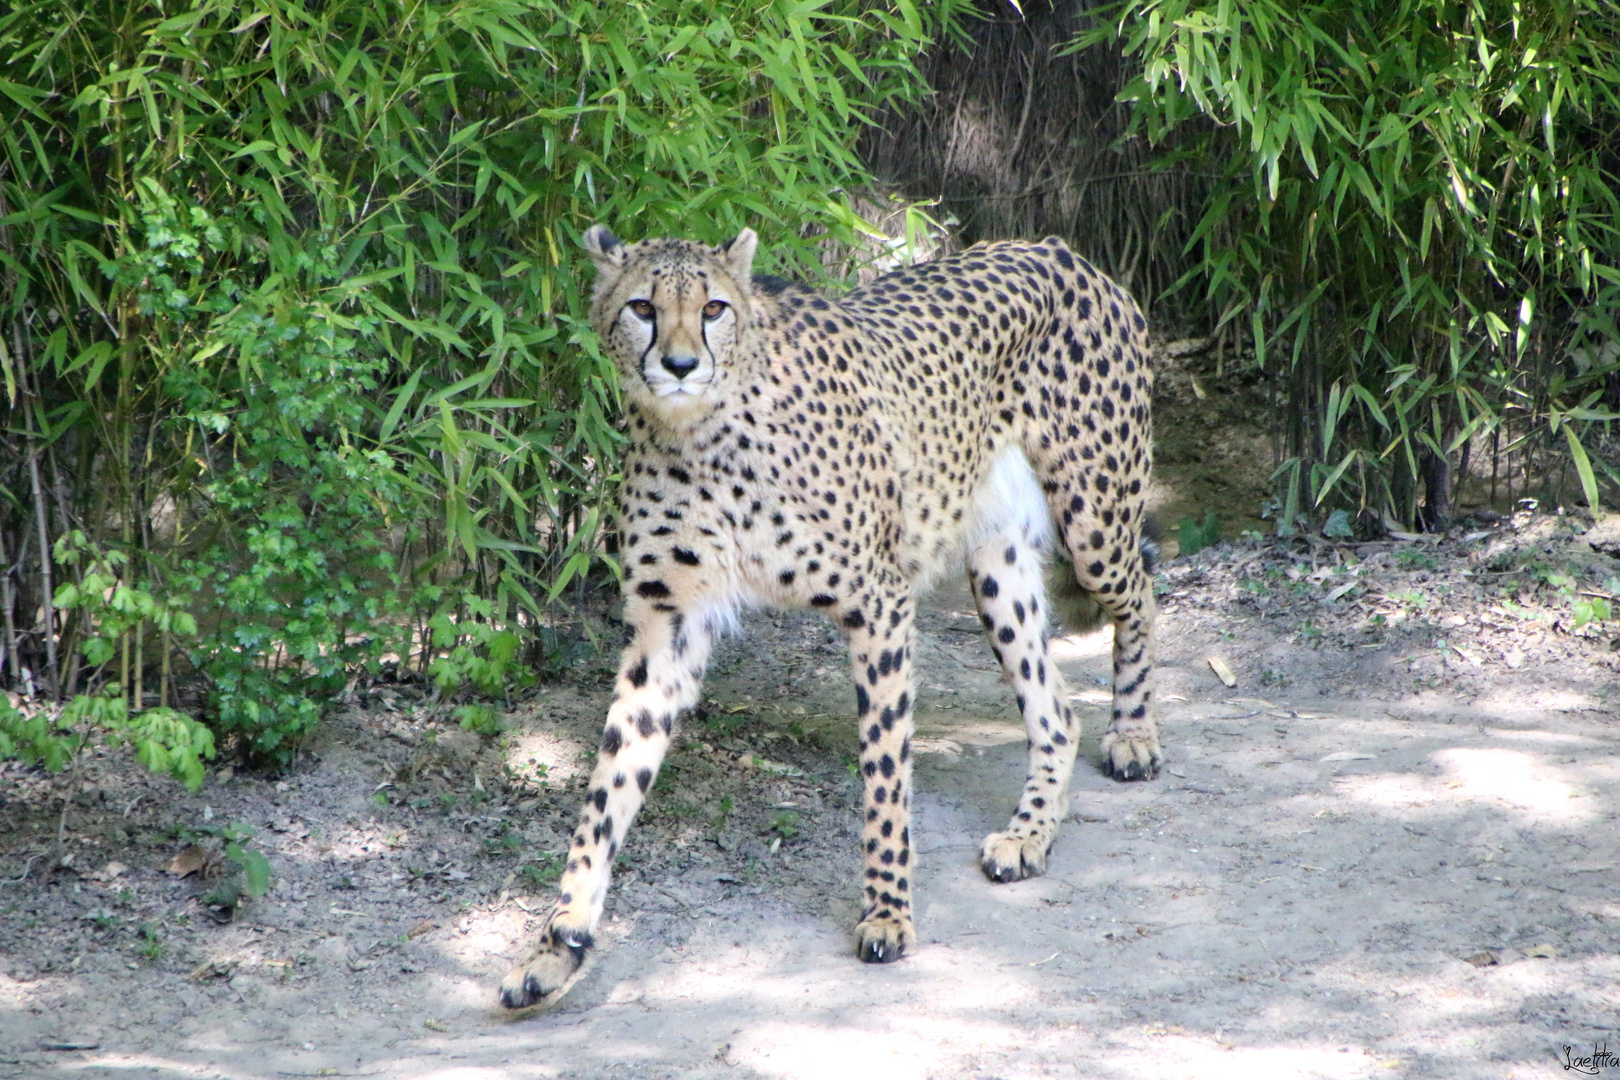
(1546, 950)
(1222, 671)
(423, 927)
(195, 859)
(1347, 755)
(210, 969)
(1483, 958)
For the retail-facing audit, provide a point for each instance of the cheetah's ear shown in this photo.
(605, 249)
(738, 255)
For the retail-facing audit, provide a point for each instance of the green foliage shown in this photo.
(1586, 606)
(249, 871)
(543, 871)
(36, 737)
(785, 824)
(1413, 558)
(165, 741)
(151, 943)
(479, 718)
(1337, 526)
(109, 606)
(293, 305)
(475, 650)
(1194, 535)
(1414, 219)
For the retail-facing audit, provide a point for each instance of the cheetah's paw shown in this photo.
(1010, 857)
(884, 938)
(544, 974)
(1131, 757)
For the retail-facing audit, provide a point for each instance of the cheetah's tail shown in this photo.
(1075, 609)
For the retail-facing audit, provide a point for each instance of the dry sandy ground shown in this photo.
(1391, 850)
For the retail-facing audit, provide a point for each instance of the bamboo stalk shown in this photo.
(7, 602)
(139, 697)
(45, 570)
(163, 683)
(39, 510)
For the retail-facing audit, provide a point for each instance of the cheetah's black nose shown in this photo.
(680, 366)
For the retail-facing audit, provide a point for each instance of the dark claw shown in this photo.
(1001, 875)
(521, 999)
(877, 952)
(1132, 771)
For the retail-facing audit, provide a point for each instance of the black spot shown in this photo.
(612, 740)
(645, 724)
(652, 590)
(599, 797)
(1007, 635)
(684, 557)
(638, 674)
(989, 589)
(854, 620)
(644, 779)
(823, 600)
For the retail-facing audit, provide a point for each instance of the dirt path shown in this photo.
(1376, 857)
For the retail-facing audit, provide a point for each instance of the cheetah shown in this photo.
(799, 451)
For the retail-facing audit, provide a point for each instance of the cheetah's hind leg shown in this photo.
(1005, 570)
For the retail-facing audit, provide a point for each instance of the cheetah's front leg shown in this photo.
(659, 676)
(880, 648)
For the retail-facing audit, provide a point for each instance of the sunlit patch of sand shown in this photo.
(1521, 781)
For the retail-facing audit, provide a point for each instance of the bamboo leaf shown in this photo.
(1583, 468)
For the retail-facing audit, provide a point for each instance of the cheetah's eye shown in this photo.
(642, 308)
(714, 309)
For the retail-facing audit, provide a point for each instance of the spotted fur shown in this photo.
(800, 451)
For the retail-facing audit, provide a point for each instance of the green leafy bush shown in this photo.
(294, 313)
(165, 741)
(1413, 217)
(106, 609)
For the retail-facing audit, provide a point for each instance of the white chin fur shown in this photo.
(663, 386)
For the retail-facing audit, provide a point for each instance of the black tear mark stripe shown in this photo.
(641, 364)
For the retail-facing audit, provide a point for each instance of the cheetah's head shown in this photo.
(672, 313)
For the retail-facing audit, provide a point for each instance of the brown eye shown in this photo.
(713, 309)
(642, 308)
